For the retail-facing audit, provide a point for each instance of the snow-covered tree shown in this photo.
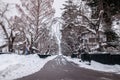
(79, 22)
(70, 10)
(33, 22)
(5, 25)
(110, 8)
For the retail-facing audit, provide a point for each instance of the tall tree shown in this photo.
(4, 21)
(79, 22)
(74, 18)
(69, 17)
(70, 10)
(33, 22)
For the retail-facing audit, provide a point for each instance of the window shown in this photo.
(92, 40)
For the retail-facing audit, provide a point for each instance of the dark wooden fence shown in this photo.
(74, 55)
(109, 59)
(4, 53)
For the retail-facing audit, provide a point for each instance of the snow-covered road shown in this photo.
(13, 66)
(61, 68)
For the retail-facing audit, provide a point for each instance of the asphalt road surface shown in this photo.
(61, 69)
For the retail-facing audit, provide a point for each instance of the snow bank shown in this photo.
(14, 66)
(96, 66)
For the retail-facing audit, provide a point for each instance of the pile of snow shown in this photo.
(96, 66)
(13, 66)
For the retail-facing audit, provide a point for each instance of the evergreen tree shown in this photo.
(72, 28)
(69, 32)
(70, 10)
(110, 7)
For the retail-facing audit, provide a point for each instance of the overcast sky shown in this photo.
(57, 5)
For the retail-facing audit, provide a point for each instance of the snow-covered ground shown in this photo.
(96, 66)
(14, 66)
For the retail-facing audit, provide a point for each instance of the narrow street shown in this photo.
(61, 69)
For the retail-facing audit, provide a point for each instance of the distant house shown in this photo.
(89, 40)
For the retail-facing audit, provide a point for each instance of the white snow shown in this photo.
(58, 4)
(13, 66)
(116, 26)
(55, 31)
(96, 66)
